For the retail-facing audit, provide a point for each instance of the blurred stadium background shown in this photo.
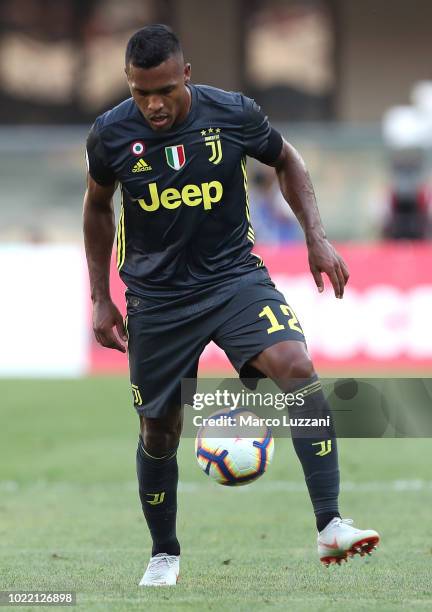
(328, 72)
(347, 82)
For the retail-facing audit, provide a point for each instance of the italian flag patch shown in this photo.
(175, 157)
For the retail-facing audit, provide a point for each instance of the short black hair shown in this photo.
(151, 46)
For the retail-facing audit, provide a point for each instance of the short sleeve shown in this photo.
(97, 163)
(261, 140)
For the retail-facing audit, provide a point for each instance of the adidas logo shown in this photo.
(141, 166)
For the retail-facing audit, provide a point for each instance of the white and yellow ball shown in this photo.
(238, 459)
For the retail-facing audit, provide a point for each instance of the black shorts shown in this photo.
(166, 340)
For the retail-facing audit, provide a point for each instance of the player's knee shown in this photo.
(291, 365)
(301, 368)
(160, 436)
(159, 443)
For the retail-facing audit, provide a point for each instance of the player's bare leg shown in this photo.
(289, 365)
(157, 473)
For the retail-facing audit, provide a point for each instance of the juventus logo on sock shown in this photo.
(157, 498)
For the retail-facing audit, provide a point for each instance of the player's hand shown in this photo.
(324, 258)
(106, 317)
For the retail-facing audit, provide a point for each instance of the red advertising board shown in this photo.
(382, 324)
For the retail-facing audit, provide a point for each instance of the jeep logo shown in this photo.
(191, 195)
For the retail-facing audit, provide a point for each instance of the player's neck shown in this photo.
(187, 107)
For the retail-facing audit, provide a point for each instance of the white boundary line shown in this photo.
(398, 486)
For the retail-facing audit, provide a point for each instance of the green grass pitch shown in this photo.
(70, 516)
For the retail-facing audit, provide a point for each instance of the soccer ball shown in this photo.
(236, 460)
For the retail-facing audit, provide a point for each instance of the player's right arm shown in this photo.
(99, 233)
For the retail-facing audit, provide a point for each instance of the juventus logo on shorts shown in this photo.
(137, 395)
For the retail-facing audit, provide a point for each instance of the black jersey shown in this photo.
(184, 222)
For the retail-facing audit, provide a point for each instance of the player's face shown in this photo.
(160, 92)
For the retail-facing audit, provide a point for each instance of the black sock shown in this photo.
(157, 479)
(322, 520)
(317, 450)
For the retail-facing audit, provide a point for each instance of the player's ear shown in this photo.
(187, 73)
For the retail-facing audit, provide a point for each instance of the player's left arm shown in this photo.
(264, 143)
(297, 189)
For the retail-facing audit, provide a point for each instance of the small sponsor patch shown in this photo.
(141, 166)
(138, 148)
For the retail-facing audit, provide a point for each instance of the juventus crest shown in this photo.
(213, 141)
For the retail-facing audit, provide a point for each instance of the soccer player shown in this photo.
(184, 250)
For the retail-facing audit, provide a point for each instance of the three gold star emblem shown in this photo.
(210, 131)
